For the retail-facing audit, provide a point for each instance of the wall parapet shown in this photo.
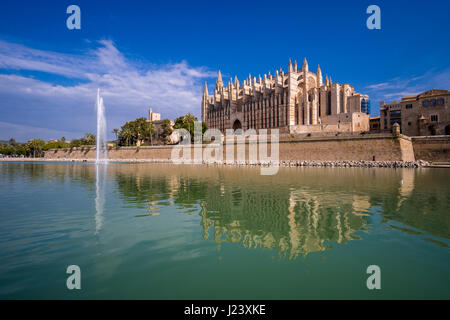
(432, 148)
(370, 147)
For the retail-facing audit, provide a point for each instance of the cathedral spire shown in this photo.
(236, 82)
(295, 65)
(219, 82)
(205, 102)
(319, 76)
(290, 66)
(305, 65)
(205, 91)
(326, 81)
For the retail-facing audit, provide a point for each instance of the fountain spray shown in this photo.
(102, 152)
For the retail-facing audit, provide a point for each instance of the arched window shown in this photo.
(433, 102)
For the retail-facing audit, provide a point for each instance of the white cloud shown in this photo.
(396, 88)
(23, 133)
(128, 88)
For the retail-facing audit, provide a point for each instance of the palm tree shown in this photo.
(127, 134)
(90, 139)
(116, 132)
(189, 119)
(167, 130)
(151, 131)
(12, 142)
(35, 145)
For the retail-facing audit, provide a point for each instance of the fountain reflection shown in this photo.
(100, 184)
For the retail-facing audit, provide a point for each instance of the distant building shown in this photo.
(153, 116)
(425, 114)
(294, 102)
(375, 124)
(155, 119)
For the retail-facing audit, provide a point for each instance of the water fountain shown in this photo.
(100, 161)
(102, 152)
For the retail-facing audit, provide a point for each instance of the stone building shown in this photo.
(294, 102)
(155, 119)
(153, 116)
(375, 124)
(425, 114)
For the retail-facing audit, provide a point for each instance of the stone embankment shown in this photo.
(367, 164)
(311, 163)
(282, 163)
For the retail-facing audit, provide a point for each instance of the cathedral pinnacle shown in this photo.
(205, 91)
(305, 65)
(319, 76)
(219, 82)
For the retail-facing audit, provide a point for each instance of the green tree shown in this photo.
(35, 147)
(187, 122)
(167, 130)
(6, 149)
(144, 129)
(12, 142)
(51, 145)
(116, 133)
(90, 139)
(76, 143)
(126, 135)
(137, 130)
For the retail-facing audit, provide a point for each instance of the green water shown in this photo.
(195, 232)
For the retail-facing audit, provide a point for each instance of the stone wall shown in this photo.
(155, 152)
(369, 147)
(432, 148)
(365, 147)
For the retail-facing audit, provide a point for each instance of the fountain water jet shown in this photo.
(102, 152)
(100, 161)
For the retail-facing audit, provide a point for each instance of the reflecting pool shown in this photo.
(196, 232)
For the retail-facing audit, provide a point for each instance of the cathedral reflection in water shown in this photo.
(298, 211)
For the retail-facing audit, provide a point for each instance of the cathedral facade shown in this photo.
(294, 102)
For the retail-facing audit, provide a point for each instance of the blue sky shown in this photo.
(159, 53)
